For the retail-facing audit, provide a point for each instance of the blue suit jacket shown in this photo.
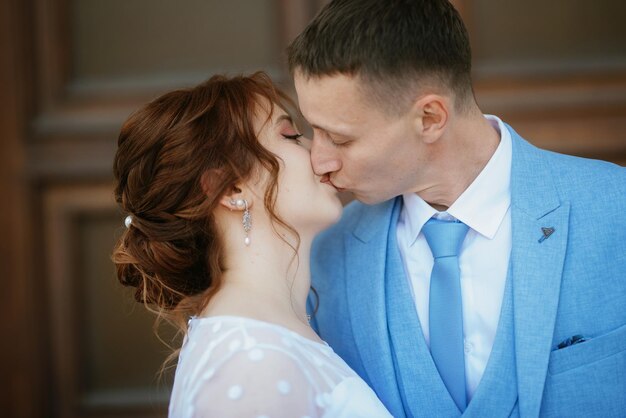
(573, 283)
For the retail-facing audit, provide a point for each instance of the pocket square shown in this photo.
(575, 339)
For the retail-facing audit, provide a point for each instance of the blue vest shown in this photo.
(419, 380)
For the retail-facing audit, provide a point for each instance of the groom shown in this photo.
(478, 275)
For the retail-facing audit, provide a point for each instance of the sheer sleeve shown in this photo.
(233, 367)
(262, 382)
(248, 372)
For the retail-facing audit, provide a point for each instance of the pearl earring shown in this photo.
(247, 218)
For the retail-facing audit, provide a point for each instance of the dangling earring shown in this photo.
(247, 223)
(247, 219)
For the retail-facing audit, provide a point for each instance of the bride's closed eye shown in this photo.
(293, 137)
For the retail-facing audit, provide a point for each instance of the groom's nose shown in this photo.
(324, 157)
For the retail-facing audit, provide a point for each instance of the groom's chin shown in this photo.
(364, 198)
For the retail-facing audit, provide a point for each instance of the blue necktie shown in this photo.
(446, 306)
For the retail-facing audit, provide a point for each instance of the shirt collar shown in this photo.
(483, 205)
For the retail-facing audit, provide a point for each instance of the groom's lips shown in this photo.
(326, 179)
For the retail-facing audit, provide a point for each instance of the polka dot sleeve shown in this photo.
(237, 367)
(261, 382)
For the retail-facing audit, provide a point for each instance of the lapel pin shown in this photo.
(546, 233)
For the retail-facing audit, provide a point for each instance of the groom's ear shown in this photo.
(430, 115)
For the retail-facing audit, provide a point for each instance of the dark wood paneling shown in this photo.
(583, 115)
(139, 40)
(538, 36)
(22, 370)
(558, 77)
(81, 105)
(295, 14)
(104, 354)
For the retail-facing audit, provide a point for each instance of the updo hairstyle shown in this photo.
(172, 252)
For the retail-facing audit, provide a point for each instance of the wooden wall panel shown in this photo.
(98, 61)
(581, 116)
(561, 36)
(21, 370)
(104, 354)
(556, 72)
(135, 41)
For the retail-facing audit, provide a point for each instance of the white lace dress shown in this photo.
(240, 367)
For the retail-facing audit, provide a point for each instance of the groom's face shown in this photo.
(356, 145)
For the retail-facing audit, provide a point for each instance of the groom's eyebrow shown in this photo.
(322, 128)
(330, 131)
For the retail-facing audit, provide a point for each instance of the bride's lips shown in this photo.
(326, 179)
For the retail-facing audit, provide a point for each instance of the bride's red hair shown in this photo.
(172, 253)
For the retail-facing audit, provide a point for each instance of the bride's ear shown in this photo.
(236, 197)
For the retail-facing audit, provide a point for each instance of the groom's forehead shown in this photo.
(332, 103)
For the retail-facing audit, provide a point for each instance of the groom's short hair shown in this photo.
(394, 46)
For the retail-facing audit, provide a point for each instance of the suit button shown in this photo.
(467, 347)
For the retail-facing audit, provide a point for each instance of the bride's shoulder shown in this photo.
(221, 339)
(241, 366)
(244, 332)
(234, 367)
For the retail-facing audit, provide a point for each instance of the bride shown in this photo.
(222, 207)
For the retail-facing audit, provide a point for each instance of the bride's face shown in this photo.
(302, 200)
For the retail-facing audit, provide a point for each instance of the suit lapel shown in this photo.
(537, 266)
(365, 272)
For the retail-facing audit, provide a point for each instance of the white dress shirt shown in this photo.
(484, 258)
